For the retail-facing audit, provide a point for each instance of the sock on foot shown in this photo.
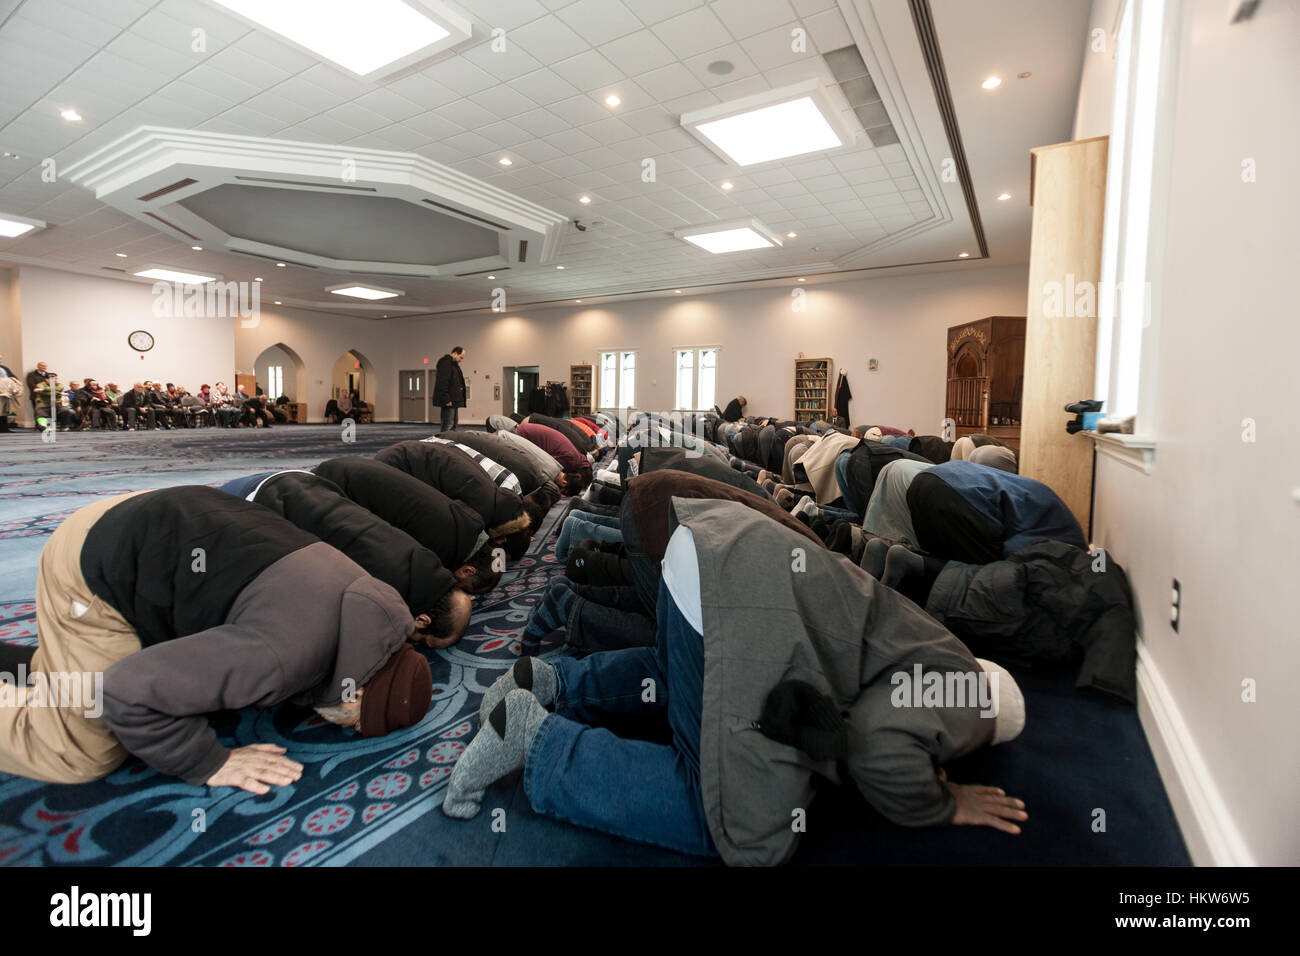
(499, 748)
(899, 563)
(873, 557)
(527, 673)
(808, 506)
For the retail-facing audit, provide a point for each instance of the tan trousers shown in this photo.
(79, 634)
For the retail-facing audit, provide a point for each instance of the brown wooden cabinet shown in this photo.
(986, 361)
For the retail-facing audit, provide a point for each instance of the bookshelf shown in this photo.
(580, 379)
(812, 389)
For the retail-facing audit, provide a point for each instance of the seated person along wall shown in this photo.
(449, 529)
(191, 601)
(724, 786)
(432, 593)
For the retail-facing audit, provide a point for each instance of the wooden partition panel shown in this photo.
(1068, 196)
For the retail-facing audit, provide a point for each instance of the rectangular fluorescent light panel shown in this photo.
(772, 132)
(361, 37)
(730, 240)
(364, 292)
(172, 275)
(13, 228)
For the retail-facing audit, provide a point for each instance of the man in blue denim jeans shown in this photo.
(727, 784)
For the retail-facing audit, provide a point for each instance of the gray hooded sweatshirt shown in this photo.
(809, 614)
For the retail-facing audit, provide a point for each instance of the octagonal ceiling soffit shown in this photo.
(340, 209)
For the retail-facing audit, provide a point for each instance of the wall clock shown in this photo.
(140, 340)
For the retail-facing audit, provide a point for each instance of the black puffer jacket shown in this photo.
(865, 463)
(456, 475)
(1049, 603)
(317, 506)
(447, 528)
(931, 447)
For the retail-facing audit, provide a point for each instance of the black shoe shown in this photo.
(1085, 405)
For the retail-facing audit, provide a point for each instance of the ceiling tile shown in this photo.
(588, 71)
(599, 21)
(693, 32)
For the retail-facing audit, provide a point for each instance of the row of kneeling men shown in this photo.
(303, 585)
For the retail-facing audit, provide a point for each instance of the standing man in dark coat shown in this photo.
(449, 387)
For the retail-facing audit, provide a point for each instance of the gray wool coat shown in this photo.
(773, 613)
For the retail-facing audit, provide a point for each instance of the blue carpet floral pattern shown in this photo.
(354, 793)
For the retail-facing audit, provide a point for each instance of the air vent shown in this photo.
(172, 226)
(482, 272)
(180, 184)
(850, 72)
(523, 250)
(113, 269)
(298, 182)
(465, 215)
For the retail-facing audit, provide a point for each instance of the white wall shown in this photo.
(79, 326)
(1218, 513)
(902, 321)
(11, 339)
(1092, 115)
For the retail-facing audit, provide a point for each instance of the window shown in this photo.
(617, 379)
(689, 361)
(1131, 247)
(275, 381)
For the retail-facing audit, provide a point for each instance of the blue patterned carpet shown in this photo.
(376, 802)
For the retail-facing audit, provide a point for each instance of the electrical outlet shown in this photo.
(1176, 605)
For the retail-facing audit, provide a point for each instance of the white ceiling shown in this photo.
(127, 63)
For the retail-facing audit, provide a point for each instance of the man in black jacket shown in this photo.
(316, 505)
(507, 517)
(450, 529)
(159, 607)
(449, 388)
(135, 405)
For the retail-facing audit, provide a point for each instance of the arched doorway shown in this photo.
(353, 371)
(279, 370)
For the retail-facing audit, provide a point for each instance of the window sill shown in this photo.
(1136, 451)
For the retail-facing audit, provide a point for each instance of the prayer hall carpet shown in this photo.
(376, 802)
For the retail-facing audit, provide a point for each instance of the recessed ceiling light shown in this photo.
(278, 302)
(364, 291)
(802, 279)
(559, 267)
(391, 34)
(678, 291)
(791, 235)
(491, 277)
(579, 301)
(963, 255)
(71, 115)
(279, 265)
(776, 124)
(164, 274)
(1004, 196)
(120, 255)
(584, 199)
(9, 155)
(197, 248)
(257, 278)
(612, 100)
(728, 186)
(13, 226)
(506, 161)
(993, 82)
(734, 236)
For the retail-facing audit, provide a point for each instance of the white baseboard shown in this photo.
(1208, 829)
